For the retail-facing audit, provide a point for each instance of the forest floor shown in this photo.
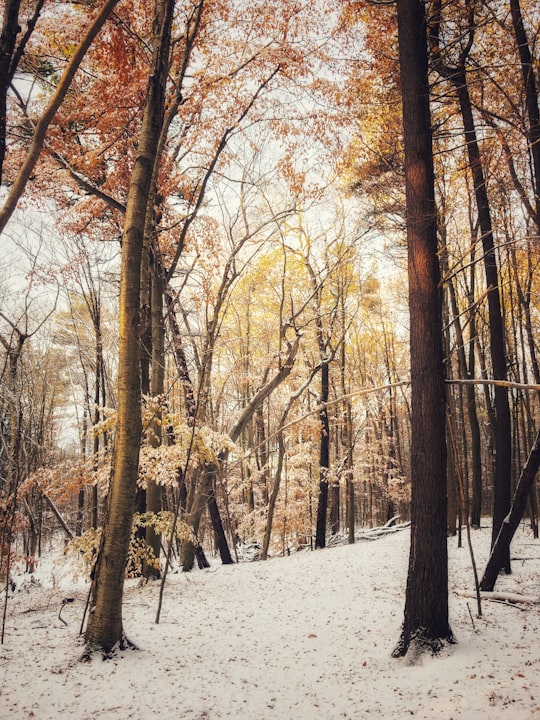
(307, 637)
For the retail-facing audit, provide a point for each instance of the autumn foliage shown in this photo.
(275, 238)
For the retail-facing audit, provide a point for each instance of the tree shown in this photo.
(105, 629)
(25, 411)
(457, 74)
(531, 101)
(426, 624)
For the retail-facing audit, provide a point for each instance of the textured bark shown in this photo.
(426, 604)
(105, 629)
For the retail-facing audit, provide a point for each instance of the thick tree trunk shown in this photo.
(105, 629)
(425, 623)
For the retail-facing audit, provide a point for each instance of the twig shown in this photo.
(65, 602)
(471, 616)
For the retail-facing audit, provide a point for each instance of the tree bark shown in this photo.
(203, 490)
(466, 370)
(425, 623)
(105, 629)
(212, 470)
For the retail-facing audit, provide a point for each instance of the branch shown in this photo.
(220, 148)
(25, 171)
(19, 52)
(265, 391)
(496, 383)
(58, 516)
(85, 184)
(506, 598)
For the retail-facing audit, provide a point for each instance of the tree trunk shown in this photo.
(202, 489)
(476, 439)
(99, 400)
(503, 450)
(215, 517)
(531, 99)
(157, 388)
(261, 453)
(324, 458)
(501, 547)
(105, 629)
(467, 371)
(8, 38)
(273, 497)
(425, 623)
(349, 473)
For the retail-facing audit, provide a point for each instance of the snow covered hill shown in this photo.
(307, 637)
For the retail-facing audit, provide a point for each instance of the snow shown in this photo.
(306, 637)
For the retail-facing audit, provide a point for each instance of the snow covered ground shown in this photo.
(308, 637)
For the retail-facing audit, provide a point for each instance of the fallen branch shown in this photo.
(507, 598)
(511, 597)
(512, 520)
(373, 534)
(59, 517)
(495, 383)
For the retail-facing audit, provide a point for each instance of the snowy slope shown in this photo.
(308, 637)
